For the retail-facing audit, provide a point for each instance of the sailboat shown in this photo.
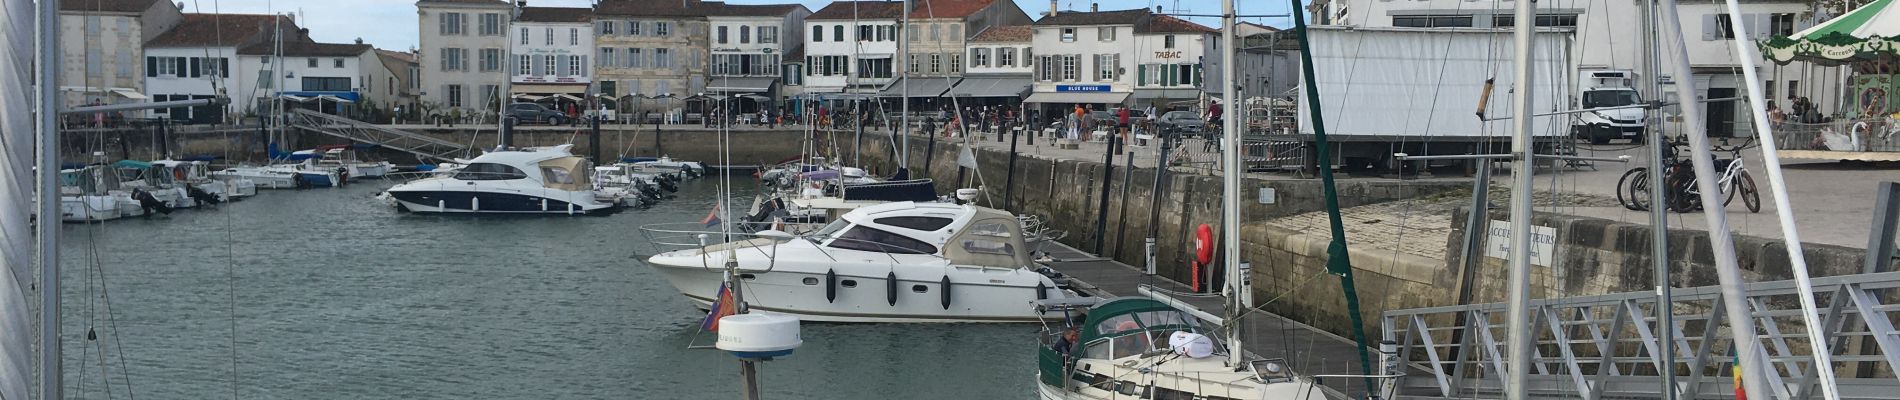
(1148, 348)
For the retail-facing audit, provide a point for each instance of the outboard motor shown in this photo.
(200, 196)
(150, 203)
(669, 186)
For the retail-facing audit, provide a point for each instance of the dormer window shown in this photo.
(1068, 35)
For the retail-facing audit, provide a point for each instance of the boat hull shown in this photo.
(449, 201)
(863, 293)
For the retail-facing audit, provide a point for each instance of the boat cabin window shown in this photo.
(871, 239)
(981, 246)
(489, 172)
(557, 175)
(927, 224)
(991, 228)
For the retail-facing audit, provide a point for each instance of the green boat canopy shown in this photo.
(131, 164)
(1870, 32)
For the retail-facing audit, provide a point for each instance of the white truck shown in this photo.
(1606, 88)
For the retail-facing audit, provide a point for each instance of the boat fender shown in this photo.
(1042, 292)
(946, 292)
(890, 284)
(831, 286)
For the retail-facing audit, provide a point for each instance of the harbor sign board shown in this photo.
(1497, 242)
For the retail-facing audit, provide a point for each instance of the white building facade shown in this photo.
(749, 43)
(102, 47)
(326, 77)
(850, 47)
(1106, 59)
(549, 55)
(464, 46)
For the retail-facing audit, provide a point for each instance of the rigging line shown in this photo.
(112, 320)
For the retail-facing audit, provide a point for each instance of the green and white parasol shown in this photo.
(1870, 32)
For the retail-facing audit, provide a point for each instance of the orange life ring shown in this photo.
(1204, 244)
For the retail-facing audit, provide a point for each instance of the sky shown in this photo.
(391, 24)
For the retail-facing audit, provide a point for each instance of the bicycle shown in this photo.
(1685, 196)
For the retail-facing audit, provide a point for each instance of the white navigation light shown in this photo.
(759, 336)
(1193, 345)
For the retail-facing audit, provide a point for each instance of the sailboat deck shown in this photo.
(1309, 350)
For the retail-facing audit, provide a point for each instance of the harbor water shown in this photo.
(327, 293)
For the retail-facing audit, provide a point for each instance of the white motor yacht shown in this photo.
(89, 194)
(893, 262)
(198, 175)
(260, 177)
(547, 180)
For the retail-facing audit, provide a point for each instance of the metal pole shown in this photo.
(857, 140)
(1778, 186)
(48, 225)
(1880, 243)
(659, 146)
(1658, 212)
(903, 68)
(593, 139)
(1741, 325)
(506, 136)
(1230, 188)
(1475, 225)
(1009, 176)
(1121, 221)
(1154, 201)
(1522, 166)
(1101, 210)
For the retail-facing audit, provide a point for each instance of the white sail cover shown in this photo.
(1193, 345)
(16, 198)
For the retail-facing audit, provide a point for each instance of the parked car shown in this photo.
(1181, 122)
(534, 113)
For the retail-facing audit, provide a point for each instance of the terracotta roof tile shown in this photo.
(234, 30)
(751, 10)
(947, 8)
(859, 10)
(555, 14)
(1022, 33)
(1122, 17)
(655, 8)
(474, 2)
(1170, 24)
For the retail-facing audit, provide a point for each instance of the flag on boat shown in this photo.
(721, 307)
(712, 217)
(1740, 392)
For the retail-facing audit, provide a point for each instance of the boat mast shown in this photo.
(1230, 187)
(1522, 174)
(1728, 272)
(903, 61)
(1777, 185)
(1658, 215)
(48, 225)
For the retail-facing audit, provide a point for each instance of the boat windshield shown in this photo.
(489, 172)
(825, 233)
(1136, 333)
(1609, 98)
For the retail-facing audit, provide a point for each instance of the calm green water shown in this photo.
(333, 295)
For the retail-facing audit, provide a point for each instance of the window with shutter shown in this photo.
(196, 65)
(151, 67)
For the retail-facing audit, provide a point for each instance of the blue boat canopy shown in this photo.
(132, 164)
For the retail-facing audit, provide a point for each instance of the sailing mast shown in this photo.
(48, 225)
(1791, 237)
(1230, 187)
(903, 62)
(1658, 215)
(1741, 325)
(1520, 337)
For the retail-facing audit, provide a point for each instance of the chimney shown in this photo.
(1052, 8)
(359, 40)
(1095, 7)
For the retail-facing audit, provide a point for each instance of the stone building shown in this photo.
(463, 45)
(102, 57)
(651, 55)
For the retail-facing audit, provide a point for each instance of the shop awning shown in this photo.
(520, 88)
(1147, 96)
(919, 87)
(334, 99)
(295, 98)
(741, 84)
(528, 97)
(1078, 97)
(567, 96)
(1864, 34)
(991, 86)
(129, 93)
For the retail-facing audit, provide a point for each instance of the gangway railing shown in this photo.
(423, 146)
(1605, 346)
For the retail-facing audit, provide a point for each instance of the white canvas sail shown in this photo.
(16, 198)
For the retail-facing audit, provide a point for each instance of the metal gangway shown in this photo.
(1605, 346)
(423, 146)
